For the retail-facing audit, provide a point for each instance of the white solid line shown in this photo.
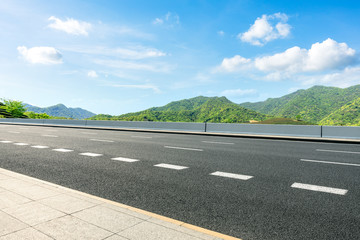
(13, 132)
(6, 141)
(91, 154)
(232, 175)
(101, 140)
(338, 163)
(218, 142)
(190, 149)
(317, 188)
(175, 167)
(62, 150)
(54, 136)
(325, 150)
(125, 159)
(40, 147)
(21, 144)
(140, 137)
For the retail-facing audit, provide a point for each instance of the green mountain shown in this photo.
(347, 115)
(311, 105)
(198, 109)
(61, 110)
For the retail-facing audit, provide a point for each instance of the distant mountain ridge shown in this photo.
(313, 105)
(60, 110)
(198, 109)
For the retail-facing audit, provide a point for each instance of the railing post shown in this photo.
(205, 126)
(321, 131)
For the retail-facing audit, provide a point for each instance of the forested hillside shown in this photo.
(61, 110)
(198, 109)
(312, 105)
(347, 115)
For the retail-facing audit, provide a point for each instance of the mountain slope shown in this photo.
(311, 105)
(347, 115)
(198, 109)
(61, 110)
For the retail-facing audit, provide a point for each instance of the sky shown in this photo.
(115, 57)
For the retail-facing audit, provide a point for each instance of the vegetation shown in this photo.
(347, 115)
(198, 109)
(313, 105)
(283, 121)
(61, 111)
(12, 109)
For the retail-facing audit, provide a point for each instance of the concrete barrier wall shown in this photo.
(341, 132)
(197, 127)
(257, 129)
(262, 129)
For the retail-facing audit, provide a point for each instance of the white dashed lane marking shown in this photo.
(218, 142)
(4, 141)
(327, 162)
(13, 132)
(91, 154)
(21, 144)
(181, 148)
(40, 147)
(124, 159)
(101, 140)
(62, 150)
(317, 188)
(336, 151)
(45, 135)
(231, 175)
(170, 166)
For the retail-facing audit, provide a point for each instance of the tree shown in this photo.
(15, 108)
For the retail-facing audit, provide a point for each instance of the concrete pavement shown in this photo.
(36, 209)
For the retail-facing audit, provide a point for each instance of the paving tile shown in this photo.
(84, 197)
(107, 218)
(182, 229)
(127, 211)
(13, 183)
(152, 231)
(26, 234)
(35, 192)
(116, 237)
(9, 224)
(70, 227)
(66, 203)
(3, 177)
(10, 199)
(33, 213)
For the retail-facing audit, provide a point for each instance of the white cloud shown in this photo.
(131, 65)
(135, 52)
(144, 86)
(238, 92)
(221, 33)
(169, 20)
(70, 26)
(42, 55)
(328, 55)
(266, 29)
(139, 53)
(345, 78)
(236, 63)
(92, 74)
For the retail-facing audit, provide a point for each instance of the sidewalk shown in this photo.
(35, 209)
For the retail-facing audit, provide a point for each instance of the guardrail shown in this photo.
(254, 129)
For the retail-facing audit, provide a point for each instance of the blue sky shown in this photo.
(115, 57)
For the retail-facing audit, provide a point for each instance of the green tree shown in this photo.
(15, 108)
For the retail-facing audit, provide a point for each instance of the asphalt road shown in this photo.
(247, 188)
